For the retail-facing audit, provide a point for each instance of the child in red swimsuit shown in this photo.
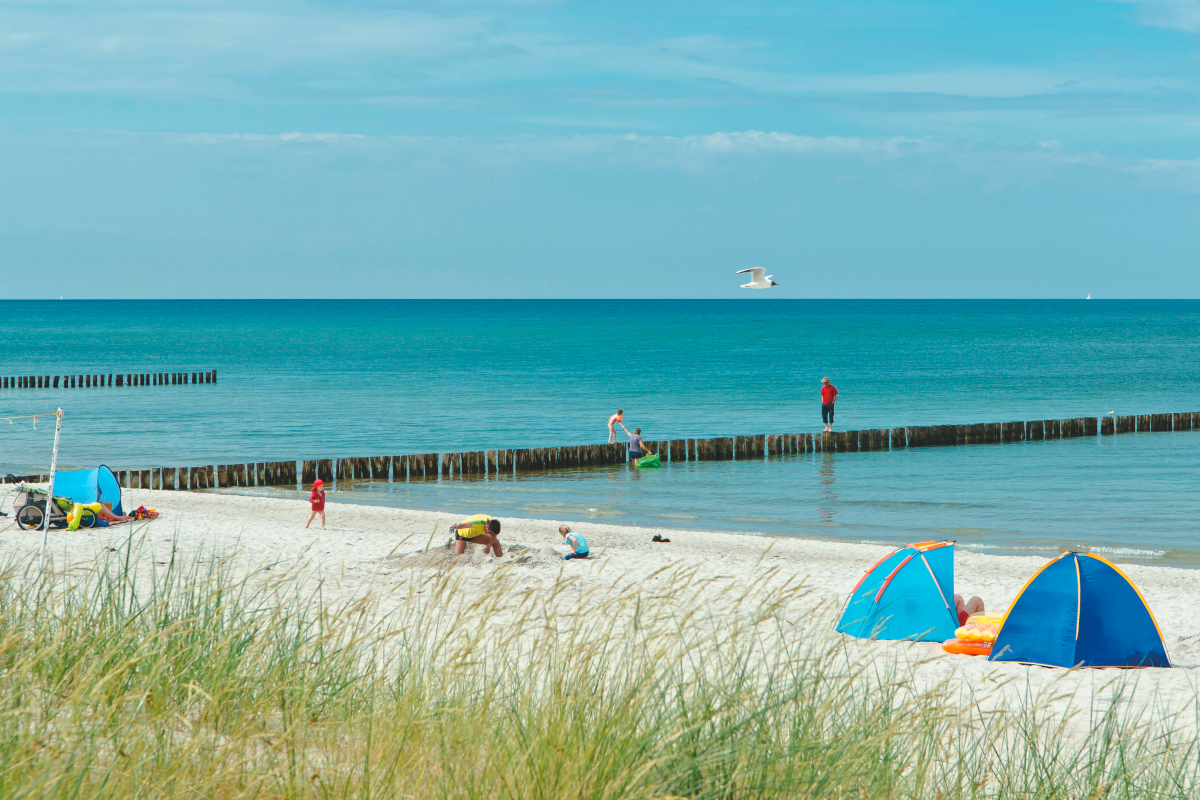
(614, 420)
(317, 498)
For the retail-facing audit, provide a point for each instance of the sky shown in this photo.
(369, 148)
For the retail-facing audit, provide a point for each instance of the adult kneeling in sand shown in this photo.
(479, 529)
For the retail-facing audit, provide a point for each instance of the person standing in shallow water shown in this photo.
(829, 395)
(636, 449)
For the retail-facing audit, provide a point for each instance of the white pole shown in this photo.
(58, 415)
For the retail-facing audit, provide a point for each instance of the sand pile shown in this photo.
(443, 558)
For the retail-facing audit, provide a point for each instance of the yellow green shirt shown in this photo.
(471, 527)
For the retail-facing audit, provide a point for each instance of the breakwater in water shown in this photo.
(433, 466)
(95, 381)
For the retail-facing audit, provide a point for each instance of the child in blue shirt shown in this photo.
(579, 545)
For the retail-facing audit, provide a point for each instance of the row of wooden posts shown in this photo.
(425, 466)
(96, 381)
(429, 466)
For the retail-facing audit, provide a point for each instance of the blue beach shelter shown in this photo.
(906, 595)
(97, 485)
(1080, 611)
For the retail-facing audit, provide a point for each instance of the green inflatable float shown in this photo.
(651, 460)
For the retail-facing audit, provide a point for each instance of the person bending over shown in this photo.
(967, 608)
(479, 529)
(578, 544)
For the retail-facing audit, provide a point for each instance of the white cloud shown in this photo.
(1174, 171)
(1180, 15)
(383, 55)
(257, 138)
(755, 142)
(998, 163)
(182, 49)
(716, 145)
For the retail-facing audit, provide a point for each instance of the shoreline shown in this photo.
(1043, 549)
(1117, 496)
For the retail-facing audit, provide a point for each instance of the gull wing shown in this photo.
(756, 273)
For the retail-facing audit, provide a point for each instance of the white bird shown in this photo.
(758, 278)
(1109, 414)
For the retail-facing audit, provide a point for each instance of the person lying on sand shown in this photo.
(106, 514)
(479, 529)
(966, 609)
(579, 545)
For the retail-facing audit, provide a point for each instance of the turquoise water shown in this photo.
(320, 379)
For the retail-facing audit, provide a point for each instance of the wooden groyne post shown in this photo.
(432, 466)
(95, 381)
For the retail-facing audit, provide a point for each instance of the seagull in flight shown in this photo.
(758, 278)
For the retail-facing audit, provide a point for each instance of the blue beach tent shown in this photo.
(97, 485)
(906, 595)
(1080, 611)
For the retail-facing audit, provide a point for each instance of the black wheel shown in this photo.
(29, 518)
(86, 518)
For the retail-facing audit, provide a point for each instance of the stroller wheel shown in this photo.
(29, 518)
(86, 519)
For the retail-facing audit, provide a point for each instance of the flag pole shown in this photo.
(58, 415)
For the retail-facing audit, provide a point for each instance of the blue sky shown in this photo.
(530, 149)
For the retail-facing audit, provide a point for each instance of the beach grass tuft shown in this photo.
(199, 680)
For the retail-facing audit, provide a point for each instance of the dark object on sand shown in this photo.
(658, 538)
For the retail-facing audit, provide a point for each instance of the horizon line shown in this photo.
(583, 299)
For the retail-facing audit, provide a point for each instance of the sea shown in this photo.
(306, 379)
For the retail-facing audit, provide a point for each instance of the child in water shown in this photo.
(579, 545)
(613, 420)
(317, 498)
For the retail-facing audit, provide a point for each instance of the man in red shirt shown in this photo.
(828, 397)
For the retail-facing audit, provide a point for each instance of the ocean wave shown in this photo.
(1128, 551)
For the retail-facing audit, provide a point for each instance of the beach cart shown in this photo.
(30, 506)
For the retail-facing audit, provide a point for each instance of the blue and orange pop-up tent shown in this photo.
(908, 594)
(97, 485)
(1080, 611)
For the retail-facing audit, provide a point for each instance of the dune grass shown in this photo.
(199, 681)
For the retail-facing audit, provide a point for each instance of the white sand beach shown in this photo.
(378, 549)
